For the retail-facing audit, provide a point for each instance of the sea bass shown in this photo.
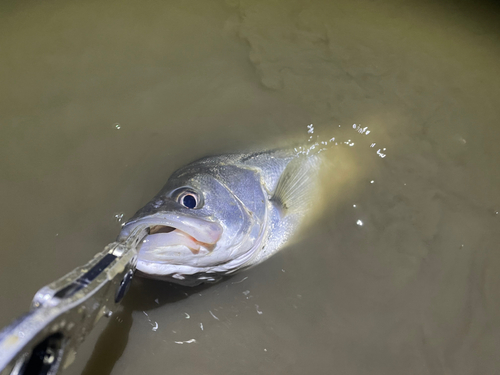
(222, 214)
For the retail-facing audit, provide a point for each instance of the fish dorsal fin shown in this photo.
(296, 185)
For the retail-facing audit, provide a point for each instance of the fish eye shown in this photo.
(189, 201)
(188, 198)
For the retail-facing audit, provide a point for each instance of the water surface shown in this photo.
(101, 101)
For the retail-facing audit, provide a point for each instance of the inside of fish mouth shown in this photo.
(160, 229)
(155, 229)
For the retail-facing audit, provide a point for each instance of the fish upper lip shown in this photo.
(201, 230)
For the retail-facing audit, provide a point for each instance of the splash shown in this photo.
(316, 145)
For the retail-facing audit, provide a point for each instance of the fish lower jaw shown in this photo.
(179, 271)
(158, 270)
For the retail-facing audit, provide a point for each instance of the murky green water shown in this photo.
(414, 289)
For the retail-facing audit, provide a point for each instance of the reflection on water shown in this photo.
(100, 102)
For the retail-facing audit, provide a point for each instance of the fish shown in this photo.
(222, 214)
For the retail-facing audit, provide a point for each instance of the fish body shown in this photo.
(221, 214)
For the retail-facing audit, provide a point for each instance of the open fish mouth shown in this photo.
(162, 238)
(174, 239)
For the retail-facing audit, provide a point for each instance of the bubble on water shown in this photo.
(117, 126)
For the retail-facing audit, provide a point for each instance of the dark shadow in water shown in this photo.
(142, 295)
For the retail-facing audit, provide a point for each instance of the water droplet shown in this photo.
(211, 313)
(119, 216)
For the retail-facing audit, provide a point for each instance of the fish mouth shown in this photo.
(161, 236)
(174, 239)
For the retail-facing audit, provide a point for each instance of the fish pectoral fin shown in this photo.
(296, 185)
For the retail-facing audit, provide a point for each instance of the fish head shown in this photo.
(203, 223)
